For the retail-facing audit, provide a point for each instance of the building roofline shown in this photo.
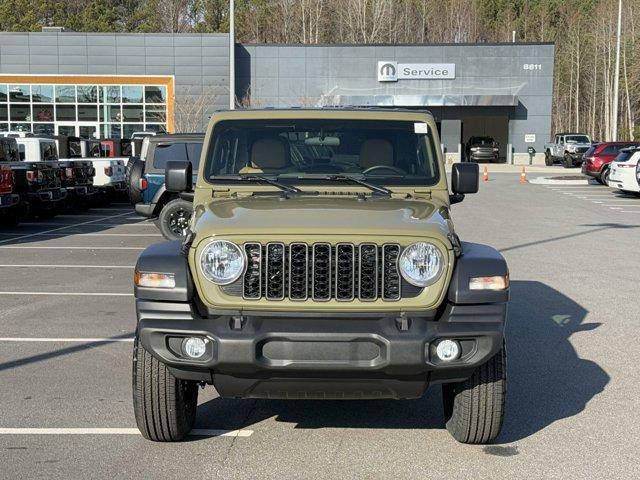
(465, 44)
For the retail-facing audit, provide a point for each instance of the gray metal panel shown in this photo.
(73, 69)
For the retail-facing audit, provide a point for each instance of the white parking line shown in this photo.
(196, 432)
(30, 235)
(52, 224)
(71, 234)
(65, 340)
(20, 247)
(71, 294)
(24, 265)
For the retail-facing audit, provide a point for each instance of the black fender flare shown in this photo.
(477, 260)
(166, 257)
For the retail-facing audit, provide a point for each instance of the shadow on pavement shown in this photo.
(547, 381)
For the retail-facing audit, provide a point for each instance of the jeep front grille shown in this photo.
(322, 272)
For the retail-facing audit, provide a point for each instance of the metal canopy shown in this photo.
(420, 100)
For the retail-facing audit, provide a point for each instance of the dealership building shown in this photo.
(111, 85)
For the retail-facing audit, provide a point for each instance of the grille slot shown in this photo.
(390, 274)
(298, 271)
(252, 285)
(321, 271)
(274, 280)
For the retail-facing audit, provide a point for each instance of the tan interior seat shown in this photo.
(267, 155)
(376, 152)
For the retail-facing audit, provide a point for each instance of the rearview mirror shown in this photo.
(178, 176)
(465, 178)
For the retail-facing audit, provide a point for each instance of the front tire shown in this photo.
(548, 159)
(174, 218)
(568, 162)
(474, 408)
(164, 406)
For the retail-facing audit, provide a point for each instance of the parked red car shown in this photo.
(598, 158)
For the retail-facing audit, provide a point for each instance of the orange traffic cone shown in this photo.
(523, 176)
(485, 175)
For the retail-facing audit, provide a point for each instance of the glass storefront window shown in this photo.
(131, 94)
(20, 127)
(158, 128)
(65, 94)
(88, 113)
(20, 113)
(42, 93)
(110, 113)
(66, 113)
(132, 113)
(43, 113)
(110, 130)
(120, 109)
(43, 129)
(129, 128)
(155, 94)
(20, 93)
(154, 114)
(110, 94)
(87, 94)
(4, 127)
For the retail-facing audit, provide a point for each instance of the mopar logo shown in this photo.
(387, 71)
(394, 71)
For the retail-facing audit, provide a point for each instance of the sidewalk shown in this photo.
(504, 168)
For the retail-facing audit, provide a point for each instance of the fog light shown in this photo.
(448, 350)
(194, 347)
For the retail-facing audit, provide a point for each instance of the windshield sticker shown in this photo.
(420, 128)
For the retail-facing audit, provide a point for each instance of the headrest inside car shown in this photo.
(376, 152)
(268, 153)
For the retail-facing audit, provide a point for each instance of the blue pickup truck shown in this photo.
(145, 179)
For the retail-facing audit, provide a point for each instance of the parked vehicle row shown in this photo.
(597, 160)
(36, 181)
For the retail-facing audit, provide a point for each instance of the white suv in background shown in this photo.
(623, 171)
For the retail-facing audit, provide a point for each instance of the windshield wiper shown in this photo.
(259, 178)
(348, 178)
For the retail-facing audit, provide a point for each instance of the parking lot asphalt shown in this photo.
(67, 317)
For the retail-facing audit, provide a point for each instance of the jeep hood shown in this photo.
(322, 215)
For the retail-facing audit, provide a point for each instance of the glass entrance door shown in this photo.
(78, 129)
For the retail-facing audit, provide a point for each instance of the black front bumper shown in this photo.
(372, 356)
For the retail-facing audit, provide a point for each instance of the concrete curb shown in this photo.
(557, 181)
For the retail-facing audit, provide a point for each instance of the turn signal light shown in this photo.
(154, 280)
(489, 283)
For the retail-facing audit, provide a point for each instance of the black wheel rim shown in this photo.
(178, 221)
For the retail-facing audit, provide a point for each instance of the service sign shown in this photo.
(394, 71)
(530, 138)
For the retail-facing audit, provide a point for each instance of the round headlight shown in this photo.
(222, 262)
(421, 264)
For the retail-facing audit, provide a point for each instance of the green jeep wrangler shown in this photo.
(321, 263)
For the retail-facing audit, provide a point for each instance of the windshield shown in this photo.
(384, 151)
(577, 139)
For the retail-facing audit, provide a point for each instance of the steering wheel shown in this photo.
(384, 167)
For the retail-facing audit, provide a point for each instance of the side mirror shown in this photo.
(465, 178)
(178, 176)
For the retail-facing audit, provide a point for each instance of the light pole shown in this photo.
(232, 59)
(616, 79)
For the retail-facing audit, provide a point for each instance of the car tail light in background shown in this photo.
(143, 184)
(70, 172)
(108, 171)
(6, 179)
(34, 176)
